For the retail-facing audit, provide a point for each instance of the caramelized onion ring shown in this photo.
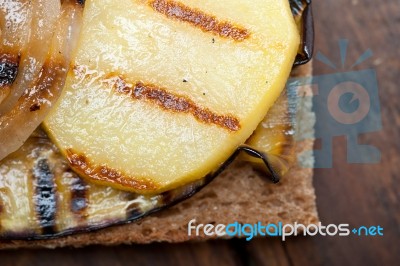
(45, 15)
(15, 24)
(36, 101)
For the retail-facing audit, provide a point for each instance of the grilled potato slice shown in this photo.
(163, 92)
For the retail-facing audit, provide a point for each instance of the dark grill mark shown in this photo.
(197, 18)
(102, 173)
(174, 103)
(8, 69)
(81, 2)
(167, 197)
(79, 193)
(134, 211)
(74, 2)
(1, 211)
(45, 196)
(34, 107)
(46, 88)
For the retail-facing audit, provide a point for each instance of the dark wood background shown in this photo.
(354, 194)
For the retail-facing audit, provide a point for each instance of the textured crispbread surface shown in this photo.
(238, 194)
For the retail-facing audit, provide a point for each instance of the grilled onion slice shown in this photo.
(44, 17)
(42, 71)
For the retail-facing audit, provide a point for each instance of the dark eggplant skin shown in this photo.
(302, 10)
(45, 169)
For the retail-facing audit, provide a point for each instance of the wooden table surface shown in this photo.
(355, 194)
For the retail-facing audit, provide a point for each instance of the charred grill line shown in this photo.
(134, 211)
(1, 211)
(34, 107)
(175, 103)
(81, 2)
(81, 164)
(8, 69)
(199, 19)
(41, 93)
(45, 199)
(79, 193)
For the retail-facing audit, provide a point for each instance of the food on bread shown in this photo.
(76, 206)
(111, 87)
